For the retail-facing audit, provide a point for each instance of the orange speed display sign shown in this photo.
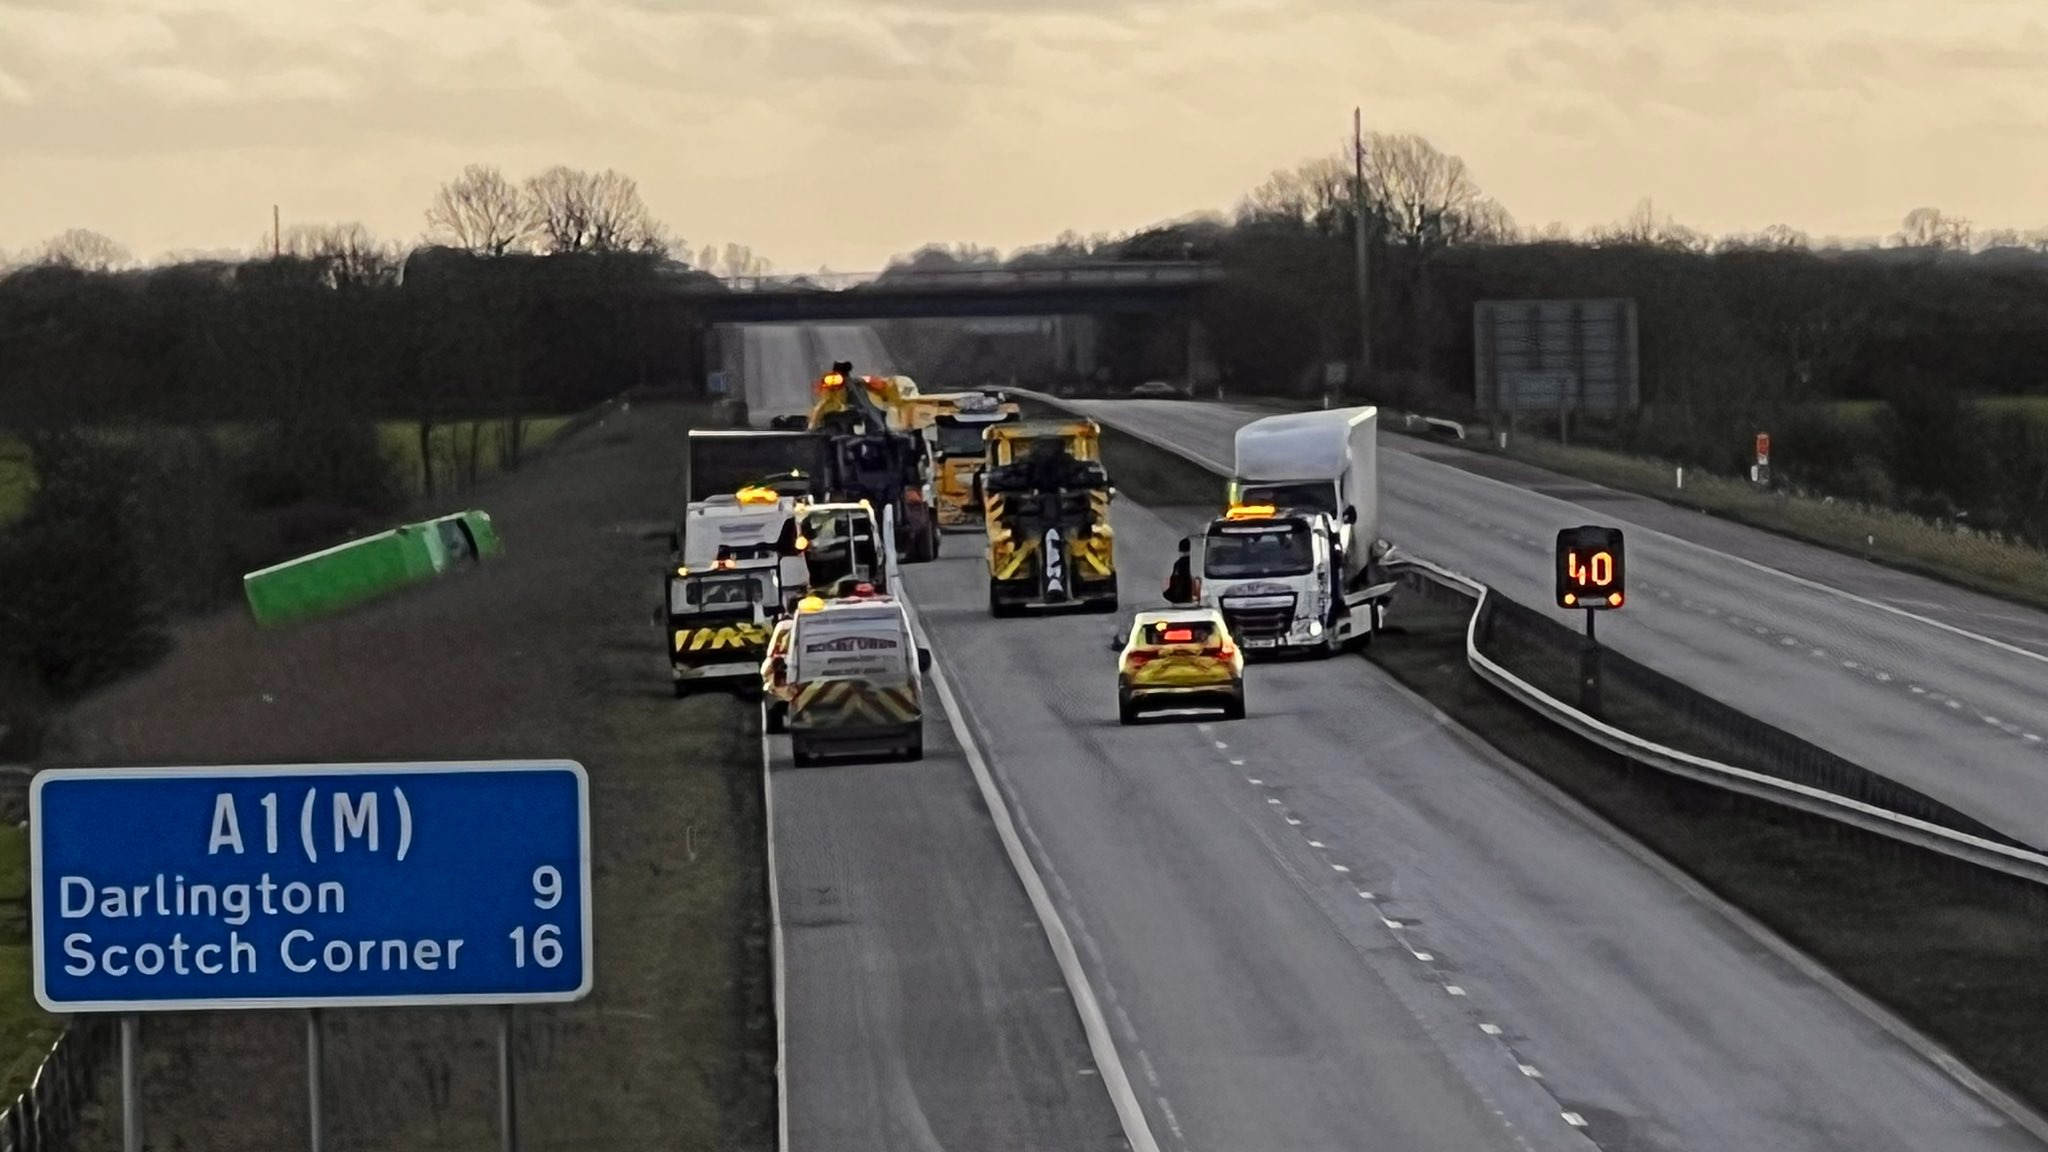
(1592, 569)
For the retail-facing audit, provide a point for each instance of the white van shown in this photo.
(855, 679)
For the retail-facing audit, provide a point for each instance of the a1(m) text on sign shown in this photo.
(308, 886)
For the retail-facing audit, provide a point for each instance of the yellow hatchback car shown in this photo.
(1179, 658)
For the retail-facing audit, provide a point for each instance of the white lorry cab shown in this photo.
(1273, 575)
(854, 676)
(751, 524)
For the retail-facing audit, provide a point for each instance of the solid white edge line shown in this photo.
(1101, 1045)
(775, 943)
(1921, 1045)
(1804, 581)
(1877, 1014)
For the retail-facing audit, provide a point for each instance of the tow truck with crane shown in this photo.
(1045, 498)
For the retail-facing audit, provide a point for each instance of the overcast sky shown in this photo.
(841, 131)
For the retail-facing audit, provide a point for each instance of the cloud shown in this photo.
(843, 127)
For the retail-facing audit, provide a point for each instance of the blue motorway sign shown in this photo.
(310, 886)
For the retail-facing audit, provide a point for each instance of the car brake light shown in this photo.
(1180, 636)
(1226, 652)
(1137, 658)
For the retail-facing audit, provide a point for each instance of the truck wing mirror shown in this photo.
(924, 659)
(1350, 514)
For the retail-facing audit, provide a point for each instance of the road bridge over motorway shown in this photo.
(1125, 287)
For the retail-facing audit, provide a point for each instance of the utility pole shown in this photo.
(1360, 224)
(276, 234)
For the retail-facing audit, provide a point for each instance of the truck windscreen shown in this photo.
(1242, 551)
(719, 593)
(1310, 495)
(960, 439)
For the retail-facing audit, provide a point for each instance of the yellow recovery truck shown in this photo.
(1046, 497)
(955, 431)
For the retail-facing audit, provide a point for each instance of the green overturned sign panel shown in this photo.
(348, 574)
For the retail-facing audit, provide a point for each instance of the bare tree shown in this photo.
(483, 212)
(582, 211)
(1930, 228)
(2001, 238)
(1641, 228)
(1314, 193)
(85, 249)
(349, 255)
(1425, 197)
(1555, 232)
(732, 260)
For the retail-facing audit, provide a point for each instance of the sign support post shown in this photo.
(307, 887)
(316, 1081)
(131, 1085)
(508, 1094)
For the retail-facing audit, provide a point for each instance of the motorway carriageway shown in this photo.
(1933, 686)
(1334, 925)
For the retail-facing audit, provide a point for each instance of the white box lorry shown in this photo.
(1293, 564)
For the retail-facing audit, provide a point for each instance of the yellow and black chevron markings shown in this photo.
(748, 635)
(836, 703)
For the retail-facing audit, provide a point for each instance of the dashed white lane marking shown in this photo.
(1821, 652)
(1392, 925)
(2033, 737)
(1089, 1072)
(1221, 746)
(1789, 641)
(1172, 1121)
(1145, 1066)
(1916, 690)
(1574, 1119)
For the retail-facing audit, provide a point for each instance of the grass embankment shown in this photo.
(1961, 556)
(26, 1031)
(1955, 951)
(452, 445)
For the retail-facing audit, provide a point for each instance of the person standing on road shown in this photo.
(1180, 584)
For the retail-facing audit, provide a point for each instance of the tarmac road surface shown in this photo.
(1931, 685)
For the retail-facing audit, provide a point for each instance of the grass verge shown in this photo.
(1955, 951)
(1964, 557)
(486, 441)
(26, 1031)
